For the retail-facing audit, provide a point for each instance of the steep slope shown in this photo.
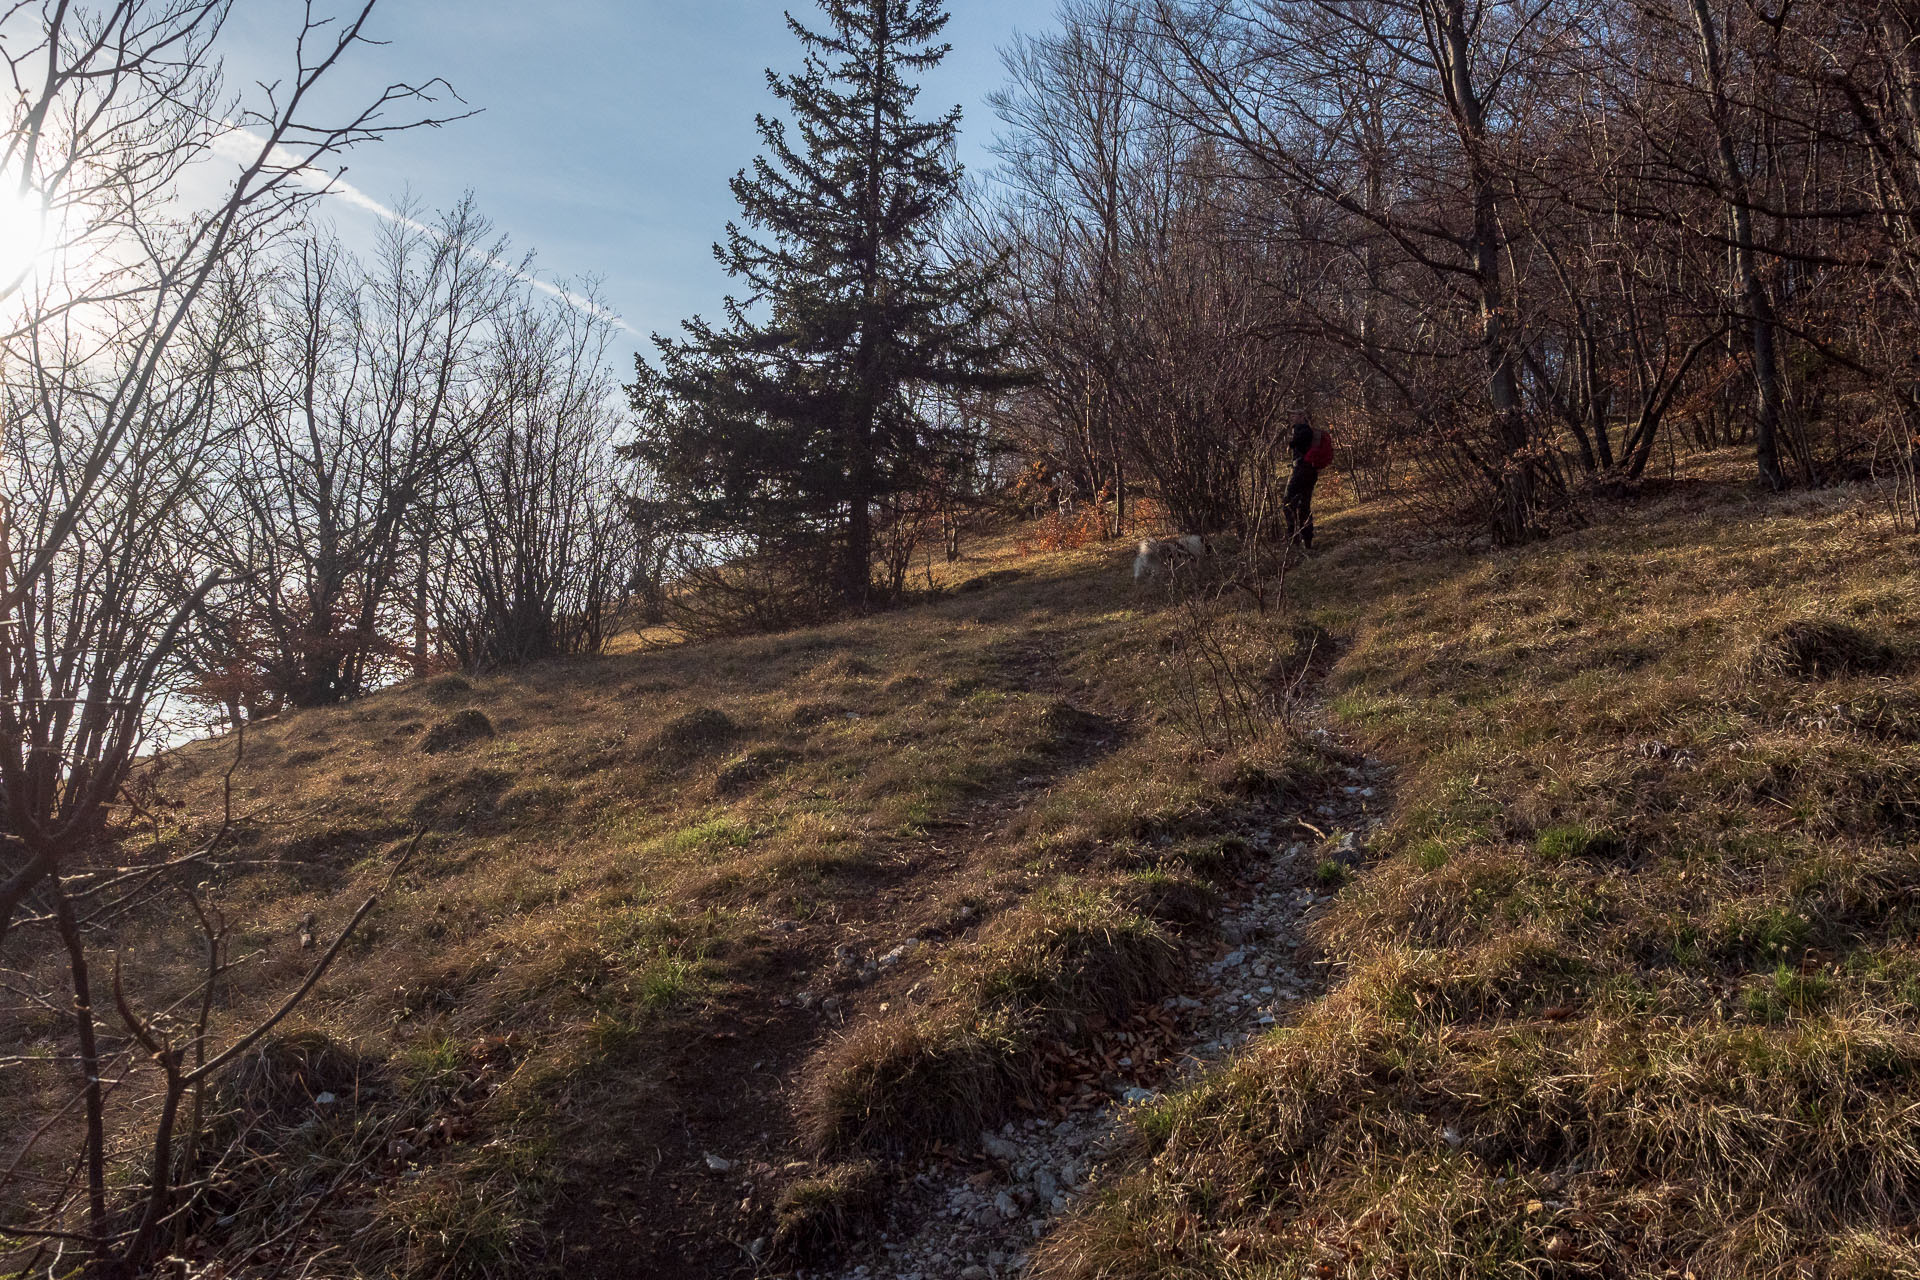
(640, 988)
(718, 960)
(1630, 986)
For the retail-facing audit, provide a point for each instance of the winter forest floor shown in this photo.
(1568, 928)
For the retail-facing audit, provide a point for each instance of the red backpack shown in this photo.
(1320, 457)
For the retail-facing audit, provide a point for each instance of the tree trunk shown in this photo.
(1762, 322)
(84, 1035)
(1453, 44)
(420, 656)
(857, 569)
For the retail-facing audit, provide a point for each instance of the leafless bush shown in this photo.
(1897, 455)
(1370, 448)
(721, 591)
(1236, 669)
(543, 551)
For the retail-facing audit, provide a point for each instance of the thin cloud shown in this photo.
(243, 145)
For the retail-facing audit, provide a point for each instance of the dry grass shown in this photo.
(1820, 649)
(1067, 962)
(818, 1215)
(627, 880)
(1630, 986)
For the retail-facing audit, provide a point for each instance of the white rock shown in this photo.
(324, 1100)
(718, 1165)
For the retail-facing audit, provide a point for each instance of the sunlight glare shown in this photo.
(23, 233)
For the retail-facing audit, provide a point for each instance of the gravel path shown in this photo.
(976, 1219)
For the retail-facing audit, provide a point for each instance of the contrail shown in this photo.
(244, 144)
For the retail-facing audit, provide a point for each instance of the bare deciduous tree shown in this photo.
(118, 343)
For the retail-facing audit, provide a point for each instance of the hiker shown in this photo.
(1312, 453)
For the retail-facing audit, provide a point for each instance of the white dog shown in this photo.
(1165, 555)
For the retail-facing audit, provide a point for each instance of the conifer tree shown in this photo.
(781, 430)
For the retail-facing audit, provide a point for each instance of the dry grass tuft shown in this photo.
(818, 1216)
(1813, 649)
(1184, 904)
(896, 1084)
(1063, 964)
(1069, 955)
(845, 666)
(464, 729)
(280, 1078)
(746, 772)
(447, 688)
(702, 732)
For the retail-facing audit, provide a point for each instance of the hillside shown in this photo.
(1570, 909)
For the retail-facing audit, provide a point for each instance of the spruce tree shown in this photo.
(781, 431)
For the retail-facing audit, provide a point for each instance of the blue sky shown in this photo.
(608, 128)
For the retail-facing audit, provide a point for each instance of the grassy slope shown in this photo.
(1631, 986)
(608, 955)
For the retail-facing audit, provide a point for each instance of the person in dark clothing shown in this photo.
(1312, 453)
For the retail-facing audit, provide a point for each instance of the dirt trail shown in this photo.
(976, 1215)
(701, 1208)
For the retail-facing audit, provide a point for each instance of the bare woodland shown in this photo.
(1515, 253)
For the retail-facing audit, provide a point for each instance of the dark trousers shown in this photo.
(1299, 502)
